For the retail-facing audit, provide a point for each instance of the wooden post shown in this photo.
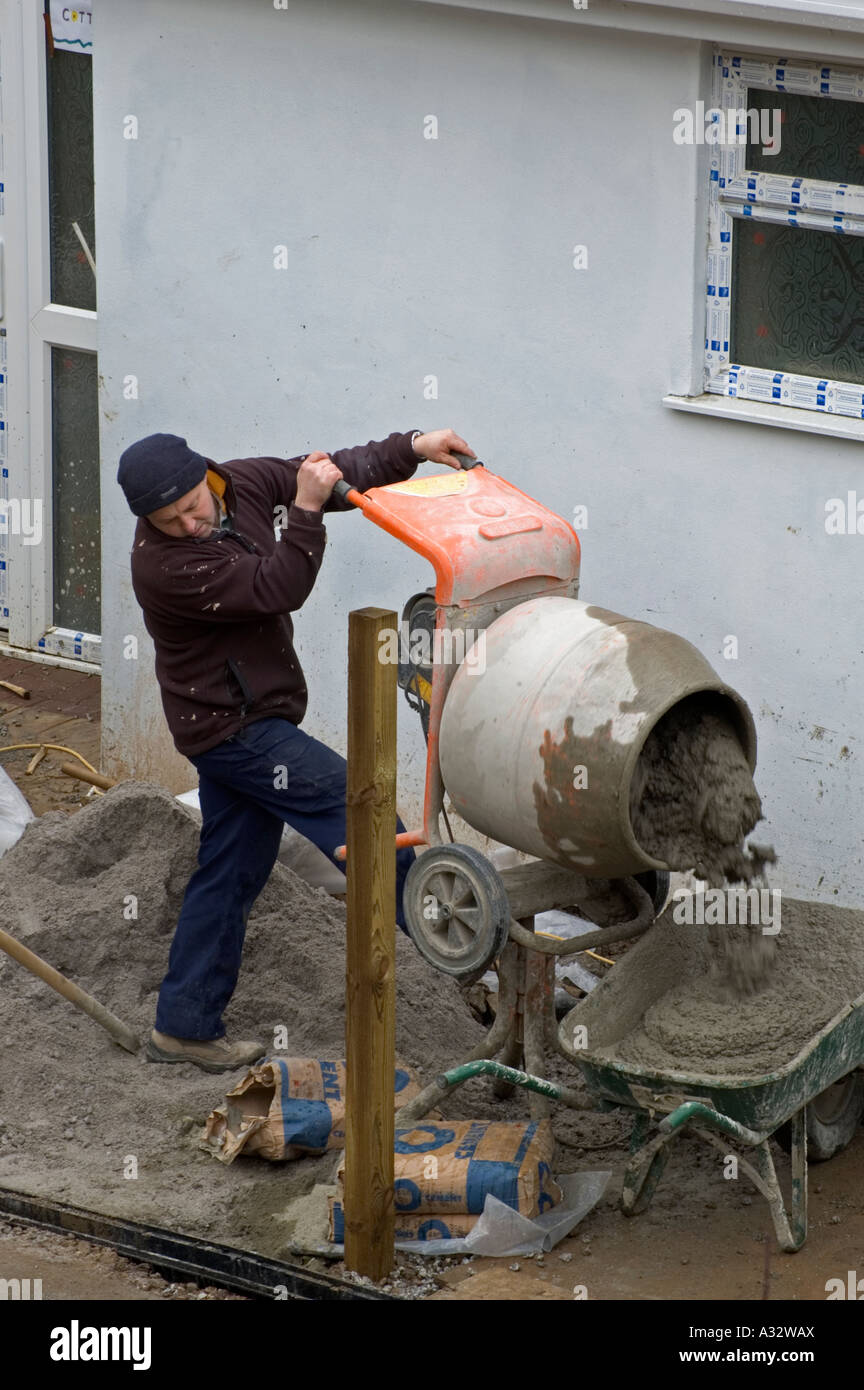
(370, 1013)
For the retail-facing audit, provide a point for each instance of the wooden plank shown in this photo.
(370, 1015)
(541, 886)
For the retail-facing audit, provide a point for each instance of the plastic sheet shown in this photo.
(14, 812)
(501, 1231)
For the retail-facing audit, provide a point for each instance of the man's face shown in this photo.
(195, 514)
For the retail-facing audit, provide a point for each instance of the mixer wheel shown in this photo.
(456, 909)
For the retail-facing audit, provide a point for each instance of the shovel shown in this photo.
(77, 996)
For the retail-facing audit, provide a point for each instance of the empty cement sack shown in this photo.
(408, 1227)
(287, 1107)
(452, 1167)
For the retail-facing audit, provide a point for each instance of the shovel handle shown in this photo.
(74, 993)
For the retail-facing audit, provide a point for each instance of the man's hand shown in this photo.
(438, 445)
(316, 478)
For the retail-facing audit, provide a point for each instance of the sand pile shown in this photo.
(696, 1026)
(97, 894)
(692, 805)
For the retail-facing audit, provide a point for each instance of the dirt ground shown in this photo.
(63, 708)
(703, 1237)
(76, 1271)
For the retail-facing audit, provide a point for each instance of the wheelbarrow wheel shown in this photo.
(456, 909)
(833, 1118)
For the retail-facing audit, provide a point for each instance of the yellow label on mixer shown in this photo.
(441, 485)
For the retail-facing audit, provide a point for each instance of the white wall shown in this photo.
(411, 256)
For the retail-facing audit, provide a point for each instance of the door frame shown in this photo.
(34, 326)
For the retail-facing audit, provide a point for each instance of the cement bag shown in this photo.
(286, 1107)
(453, 1167)
(14, 812)
(408, 1227)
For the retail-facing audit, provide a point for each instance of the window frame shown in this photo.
(738, 194)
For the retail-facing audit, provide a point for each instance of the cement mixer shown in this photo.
(535, 707)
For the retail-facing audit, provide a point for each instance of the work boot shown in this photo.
(217, 1055)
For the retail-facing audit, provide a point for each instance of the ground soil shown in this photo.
(62, 708)
(75, 1270)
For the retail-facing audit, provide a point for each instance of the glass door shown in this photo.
(75, 558)
(51, 469)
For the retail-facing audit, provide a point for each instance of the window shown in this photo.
(785, 300)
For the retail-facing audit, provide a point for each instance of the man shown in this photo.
(216, 587)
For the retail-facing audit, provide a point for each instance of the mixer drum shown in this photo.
(538, 745)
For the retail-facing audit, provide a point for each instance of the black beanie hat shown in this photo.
(157, 470)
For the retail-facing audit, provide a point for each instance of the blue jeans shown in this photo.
(242, 815)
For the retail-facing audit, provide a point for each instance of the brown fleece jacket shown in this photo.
(217, 607)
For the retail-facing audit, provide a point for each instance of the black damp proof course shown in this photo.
(171, 1253)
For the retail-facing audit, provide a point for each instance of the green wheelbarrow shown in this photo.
(818, 1097)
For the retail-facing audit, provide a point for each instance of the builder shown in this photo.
(217, 587)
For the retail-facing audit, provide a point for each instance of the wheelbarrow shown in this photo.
(814, 1100)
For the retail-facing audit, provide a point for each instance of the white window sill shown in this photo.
(785, 417)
